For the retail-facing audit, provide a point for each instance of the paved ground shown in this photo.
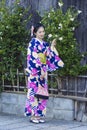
(13, 122)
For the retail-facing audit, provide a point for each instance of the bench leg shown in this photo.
(75, 110)
(81, 111)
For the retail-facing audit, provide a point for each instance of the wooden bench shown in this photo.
(78, 112)
(80, 101)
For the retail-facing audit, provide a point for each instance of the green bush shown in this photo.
(61, 26)
(13, 38)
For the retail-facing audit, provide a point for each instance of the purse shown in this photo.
(42, 93)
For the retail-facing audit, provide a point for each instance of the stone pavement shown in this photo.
(13, 122)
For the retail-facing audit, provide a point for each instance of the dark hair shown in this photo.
(35, 29)
(37, 26)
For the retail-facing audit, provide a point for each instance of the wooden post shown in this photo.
(17, 80)
(75, 86)
(81, 111)
(75, 110)
(67, 84)
(3, 82)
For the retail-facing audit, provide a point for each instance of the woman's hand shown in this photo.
(53, 42)
(26, 70)
(53, 48)
(42, 77)
(60, 63)
(42, 74)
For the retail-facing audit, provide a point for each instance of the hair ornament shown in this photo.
(32, 31)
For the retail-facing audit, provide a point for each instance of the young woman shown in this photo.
(37, 72)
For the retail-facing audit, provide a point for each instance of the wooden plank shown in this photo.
(82, 99)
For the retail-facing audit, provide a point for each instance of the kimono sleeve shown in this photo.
(33, 62)
(53, 60)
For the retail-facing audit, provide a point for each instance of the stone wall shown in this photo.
(58, 108)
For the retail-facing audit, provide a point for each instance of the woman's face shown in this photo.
(40, 33)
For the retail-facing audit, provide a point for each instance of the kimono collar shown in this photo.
(39, 40)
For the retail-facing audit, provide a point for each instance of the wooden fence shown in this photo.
(75, 86)
(67, 86)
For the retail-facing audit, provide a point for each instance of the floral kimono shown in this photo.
(40, 59)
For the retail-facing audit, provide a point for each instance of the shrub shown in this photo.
(13, 38)
(61, 26)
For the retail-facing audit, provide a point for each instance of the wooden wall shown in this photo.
(81, 33)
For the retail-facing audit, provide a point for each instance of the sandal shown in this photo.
(36, 121)
(41, 120)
